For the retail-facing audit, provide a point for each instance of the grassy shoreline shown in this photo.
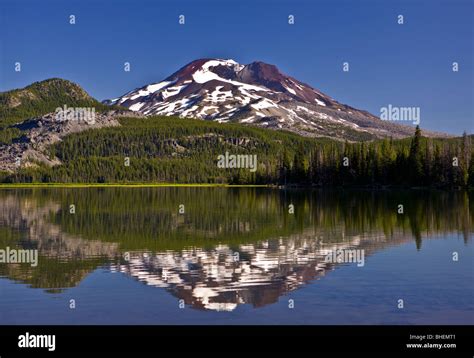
(124, 185)
(213, 185)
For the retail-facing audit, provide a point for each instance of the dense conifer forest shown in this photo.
(175, 150)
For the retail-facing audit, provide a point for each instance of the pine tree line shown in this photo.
(417, 161)
(173, 150)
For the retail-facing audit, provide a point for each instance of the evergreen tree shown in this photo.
(299, 165)
(415, 161)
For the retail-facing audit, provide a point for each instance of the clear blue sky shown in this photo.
(402, 65)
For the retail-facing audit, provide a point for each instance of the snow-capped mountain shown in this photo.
(257, 94)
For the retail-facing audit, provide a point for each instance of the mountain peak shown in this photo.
(267, 68)
(51, 87)
(257, 93)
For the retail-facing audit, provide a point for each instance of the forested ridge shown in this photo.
(176, 150)
(38, 99)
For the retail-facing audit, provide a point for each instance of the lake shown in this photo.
(216, 255)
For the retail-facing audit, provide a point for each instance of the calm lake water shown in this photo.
(237, 256)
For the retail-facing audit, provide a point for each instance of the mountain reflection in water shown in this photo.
(230, 247)
(214, 279)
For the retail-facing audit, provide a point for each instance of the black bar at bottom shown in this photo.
(355, 339)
